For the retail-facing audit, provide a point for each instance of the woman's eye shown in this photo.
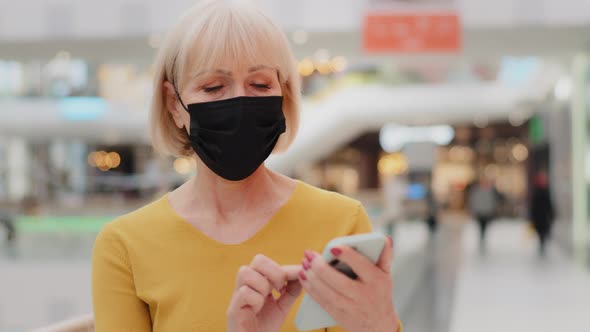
(213, 88)
(261, 86)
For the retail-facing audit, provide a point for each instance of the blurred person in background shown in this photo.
(217, 253)
(483, 201)
(431, 208)
(7, 221)
(29, 205)
(541, 209)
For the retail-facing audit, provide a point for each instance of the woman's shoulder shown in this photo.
(328, 199)
(143, 220)
(327, 203)
(338, 214)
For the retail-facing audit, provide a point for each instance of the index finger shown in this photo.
(292, 271)
(275, 274)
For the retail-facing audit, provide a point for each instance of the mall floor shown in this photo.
(443, 283)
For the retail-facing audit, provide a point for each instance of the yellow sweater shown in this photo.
(154, 271)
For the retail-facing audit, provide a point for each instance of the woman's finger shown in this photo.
(247, 298)
(335, 279)
(289, 295)
(251, 278)
(271, 270)
(322, 293)
(292, 271)
(386, 258)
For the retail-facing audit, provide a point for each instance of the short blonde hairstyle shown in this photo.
(208, 33)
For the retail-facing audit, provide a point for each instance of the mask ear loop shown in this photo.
(186, 130)
(178, 95)
(175, 88)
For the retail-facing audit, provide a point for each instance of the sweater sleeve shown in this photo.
(361, 223)
(116, 305)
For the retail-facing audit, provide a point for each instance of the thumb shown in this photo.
(289, 295)
(291, 292)
(292, 271)
(386, 257)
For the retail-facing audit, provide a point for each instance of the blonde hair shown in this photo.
(208, 33)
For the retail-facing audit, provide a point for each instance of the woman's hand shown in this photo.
(362, 305)
(253, 307)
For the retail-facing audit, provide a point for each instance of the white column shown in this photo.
(77, 167)
(579, 143)
(3, 168)
(19, 162)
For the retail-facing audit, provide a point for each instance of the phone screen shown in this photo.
(340, 266)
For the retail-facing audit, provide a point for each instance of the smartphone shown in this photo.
(311, 315)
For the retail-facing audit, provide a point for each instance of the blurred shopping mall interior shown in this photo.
(407, 106)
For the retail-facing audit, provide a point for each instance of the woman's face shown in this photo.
(225, 83)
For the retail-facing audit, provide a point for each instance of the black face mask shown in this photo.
(233, 137)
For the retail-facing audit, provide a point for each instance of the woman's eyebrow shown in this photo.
(259, 67)
(229, 72)
(217, 71)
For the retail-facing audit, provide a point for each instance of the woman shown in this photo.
(541, 212)
(218, 253)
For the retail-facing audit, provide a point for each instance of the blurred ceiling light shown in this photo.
(481, 121)
(393, 137)
(113, 159)
(516, 119)
(182, 166)
(100, 159)
(103, 160)
(108, 162)
(520, 152)
(339, 64)
(324, 68)
(300, 37)
(563, 89)
(155, 40)
(392, 164)
(305, 67)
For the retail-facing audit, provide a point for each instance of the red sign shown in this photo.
(411, 33)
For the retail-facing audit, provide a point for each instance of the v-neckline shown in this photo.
(259, 233)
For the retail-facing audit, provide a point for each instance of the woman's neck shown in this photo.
(209, 196)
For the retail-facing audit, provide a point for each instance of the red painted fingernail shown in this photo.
(306, 265)
(309, 255)
(336, 251)
(302, 275)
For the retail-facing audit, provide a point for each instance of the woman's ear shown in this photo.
(172, 104)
